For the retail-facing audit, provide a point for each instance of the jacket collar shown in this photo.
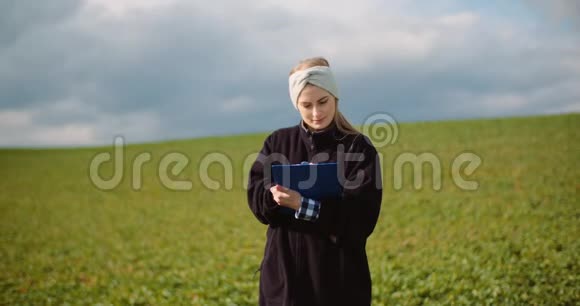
(319, 139)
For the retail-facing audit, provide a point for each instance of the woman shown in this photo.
(317, 256)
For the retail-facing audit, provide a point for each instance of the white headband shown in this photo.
(320, 76)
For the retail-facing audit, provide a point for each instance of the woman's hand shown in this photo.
(286, 197)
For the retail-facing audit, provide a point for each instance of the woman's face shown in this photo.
(316, 106)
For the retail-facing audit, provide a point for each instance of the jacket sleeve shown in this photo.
(352, 217)
(260, 199)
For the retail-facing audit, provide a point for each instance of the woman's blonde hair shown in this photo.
(341, 123)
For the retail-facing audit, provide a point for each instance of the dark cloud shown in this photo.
(18, 17)
(559, 11)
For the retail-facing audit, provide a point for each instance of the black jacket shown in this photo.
(303, 263)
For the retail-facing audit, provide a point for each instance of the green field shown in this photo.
(515, 240)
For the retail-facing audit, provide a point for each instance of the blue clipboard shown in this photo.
(314, 181)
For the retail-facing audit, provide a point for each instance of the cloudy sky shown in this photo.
(79, 72)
